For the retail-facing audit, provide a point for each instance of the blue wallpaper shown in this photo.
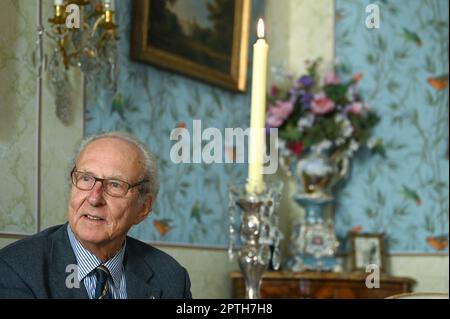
(404, 195)
(405, 79)
(191, 206)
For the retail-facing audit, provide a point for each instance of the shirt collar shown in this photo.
(87, 261)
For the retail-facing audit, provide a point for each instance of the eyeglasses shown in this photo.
(112, 187)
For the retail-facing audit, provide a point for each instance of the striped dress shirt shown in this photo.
(87, 262)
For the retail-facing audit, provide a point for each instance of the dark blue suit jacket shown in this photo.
(35, 267)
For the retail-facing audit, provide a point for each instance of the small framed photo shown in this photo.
(366, 249)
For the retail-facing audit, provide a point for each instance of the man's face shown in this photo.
(98, 220)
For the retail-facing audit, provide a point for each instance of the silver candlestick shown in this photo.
(258, 232)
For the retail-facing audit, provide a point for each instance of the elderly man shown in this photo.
(114, 183)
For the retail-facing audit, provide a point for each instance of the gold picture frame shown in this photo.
(186, 40)
(366, 249)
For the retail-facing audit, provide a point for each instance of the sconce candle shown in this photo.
(58, 2)
(255, 183)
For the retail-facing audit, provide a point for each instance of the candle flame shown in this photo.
(260, 30)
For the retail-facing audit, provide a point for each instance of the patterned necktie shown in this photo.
(102, 288)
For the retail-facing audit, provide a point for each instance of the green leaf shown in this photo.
(289, 132)
(393, 241)
(392, 165)
(371, 213)
(217, 99)
(440, 186)
(174, 114)
(371, 175)
(185, 184)
(400, 54)
(210, 113)
(195, 212)
(400, 211)
(197, 98)
(381, 43)
(429, 98)
(191, 110)
(414, 117)
(371, 59)
(381, 199)
(430, 65)
(393, 86)
(429, 224)
(394, 106)
(397, 119)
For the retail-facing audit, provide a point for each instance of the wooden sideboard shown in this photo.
(319, 285)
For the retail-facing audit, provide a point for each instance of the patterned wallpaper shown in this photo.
(17, 119)
(404, 195)
(405, 79)
(191, 205)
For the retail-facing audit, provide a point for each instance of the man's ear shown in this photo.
(146, 208)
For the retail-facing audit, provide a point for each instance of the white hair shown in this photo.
(150, 167)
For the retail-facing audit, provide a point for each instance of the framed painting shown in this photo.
(366, 249)
(206, 40)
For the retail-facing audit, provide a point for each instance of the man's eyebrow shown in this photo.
(117, 177)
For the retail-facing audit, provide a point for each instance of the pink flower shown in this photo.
(273, 121)
(321, 104)
(331, 78)
(277, 114)
(356, 108)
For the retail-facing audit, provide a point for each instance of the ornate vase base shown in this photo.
(325, 264)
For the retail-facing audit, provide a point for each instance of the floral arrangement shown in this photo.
(321, 114)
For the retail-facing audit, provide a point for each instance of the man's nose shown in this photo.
(95, 196)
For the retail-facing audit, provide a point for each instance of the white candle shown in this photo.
(58, 2)
(255, 184)
(110, 4)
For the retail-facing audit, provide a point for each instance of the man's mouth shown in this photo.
(92, 217)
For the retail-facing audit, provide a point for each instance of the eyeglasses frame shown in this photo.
(101, 180)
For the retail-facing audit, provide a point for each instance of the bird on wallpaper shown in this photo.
(438, 82)
(411, 36)
(162, 226)
(339, 15)
(437, 242)
(410, 194)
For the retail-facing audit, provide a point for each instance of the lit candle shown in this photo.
(110, 4)
(255, 184)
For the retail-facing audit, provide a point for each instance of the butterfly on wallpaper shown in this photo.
(162, 226)
(411, 36)
(438, 82)
(181, 124)
(230, 152)
(356, 229)
(411, 194)
(437, 242)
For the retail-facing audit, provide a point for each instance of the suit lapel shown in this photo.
(62, 268)
(141, 283)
